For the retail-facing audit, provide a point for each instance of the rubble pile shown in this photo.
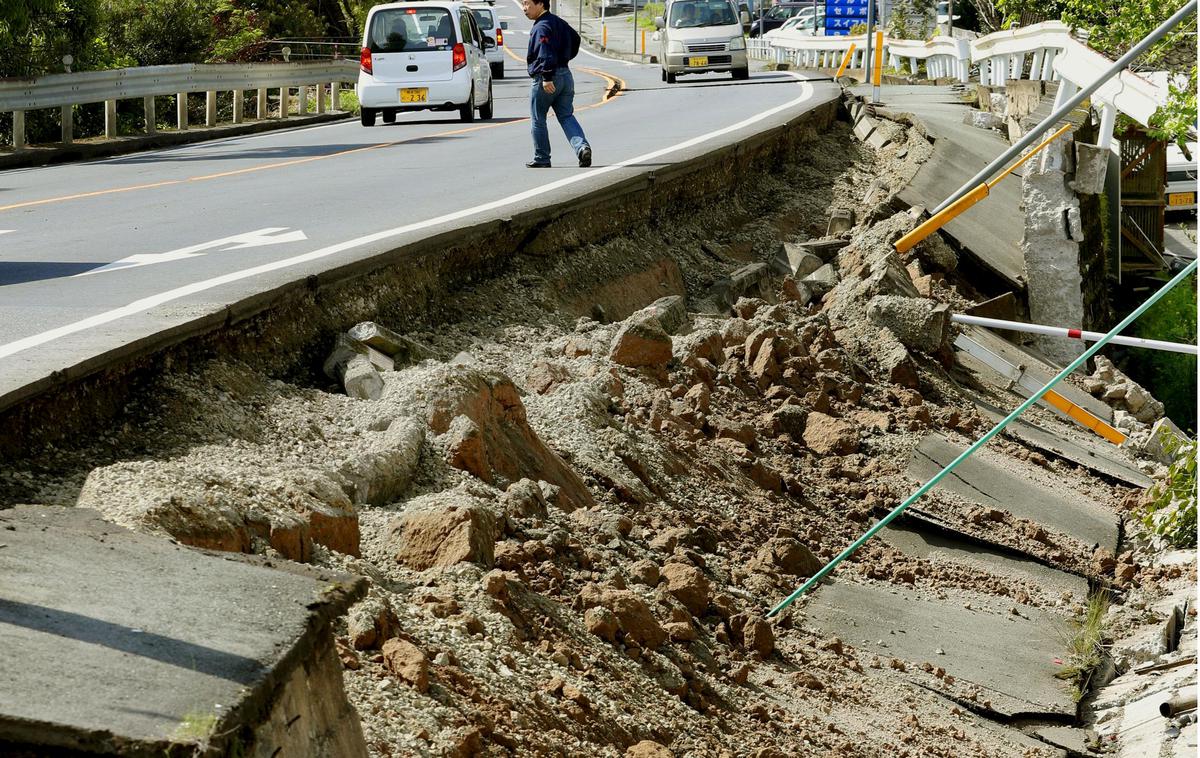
(574, 527)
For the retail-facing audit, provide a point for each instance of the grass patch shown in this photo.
(196, 727)
(647, 13)
(348, 101)
(1084, 643)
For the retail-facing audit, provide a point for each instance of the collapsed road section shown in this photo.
(576, 478)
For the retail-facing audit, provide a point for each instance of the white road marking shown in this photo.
(153, 301)
(7, 231)
(268, 236)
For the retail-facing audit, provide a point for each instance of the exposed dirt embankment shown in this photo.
(576, 512)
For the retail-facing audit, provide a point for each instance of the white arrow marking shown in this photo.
(259, 238)
(6, 231)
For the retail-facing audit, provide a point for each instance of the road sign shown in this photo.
(842, 15)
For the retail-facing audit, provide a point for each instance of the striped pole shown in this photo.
(845, 62)
(829, 567)
(1075, 334)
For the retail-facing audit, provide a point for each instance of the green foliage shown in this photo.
(1171, 510)
(646, 16)
(1113, 27)
(1170, 377)
(159, 32)
(858, 29)
(196, 726)
(1084, 642)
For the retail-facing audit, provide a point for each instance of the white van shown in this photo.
(423, 56)
(698, 36)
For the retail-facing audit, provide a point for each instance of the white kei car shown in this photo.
(423, 56)
(493, 30)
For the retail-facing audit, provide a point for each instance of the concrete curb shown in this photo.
(102, 148)
(403, 283)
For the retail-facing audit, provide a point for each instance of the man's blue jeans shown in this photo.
(563, 102)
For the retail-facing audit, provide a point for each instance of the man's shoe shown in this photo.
(537, 164)
(585, 157)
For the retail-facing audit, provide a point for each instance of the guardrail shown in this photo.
(64, 91)
(1045, 52)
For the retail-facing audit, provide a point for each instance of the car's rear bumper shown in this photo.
(1177, 192)
(722, 61)
(376, 94)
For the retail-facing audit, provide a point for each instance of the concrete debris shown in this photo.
(1091, 167)
(350, 363)
(796, 260)
(983, 120)
(402, 350)
(841, 220)
(823, 279)
(919, 323)
(752, 280)
(1111, 385)
(641, 343)
(440, 530)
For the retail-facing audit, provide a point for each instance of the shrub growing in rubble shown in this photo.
(1171, 512)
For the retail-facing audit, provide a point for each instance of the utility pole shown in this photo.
(814, 10)
(949, 21)
(867, 55)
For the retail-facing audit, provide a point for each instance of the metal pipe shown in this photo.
(1184, 701)
(1035, 397)
(1083, 94)
(1075, 334)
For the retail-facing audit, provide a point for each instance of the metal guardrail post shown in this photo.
(151, 116)
(181, 113)
(895, 512)
(67, 115)
(18, 119)
(1047, 123)
(110, 119)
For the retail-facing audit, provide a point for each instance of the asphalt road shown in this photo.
(96, 254)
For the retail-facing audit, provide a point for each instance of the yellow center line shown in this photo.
(609, 95)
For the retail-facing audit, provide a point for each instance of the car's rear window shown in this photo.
(483, 18)
(411, 29)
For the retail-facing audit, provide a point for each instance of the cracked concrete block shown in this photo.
(919, 323)
(1073, 223)
(671, 312)
(398, 347)
(997, 103)
(795, 259)
(361, 380)
(1055, 291)
(982, 120)
(840, 220)
(1022, 98)
(1091, 165)
(822, 280)
(863, 128)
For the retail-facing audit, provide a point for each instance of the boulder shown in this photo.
(524, 498)
(371, 622)
(648, 749)
(641, 342)
(406, 661)
(440, 530)
(689, 586)
(602, 622)
(634, 618)
(498, 445)
(785, 555)
(827, 435)
(758, 637)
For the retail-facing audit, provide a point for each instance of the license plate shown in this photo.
(414, 95)
(1181, 198)
(698, 61)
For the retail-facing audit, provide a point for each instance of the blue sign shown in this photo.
(841, 15)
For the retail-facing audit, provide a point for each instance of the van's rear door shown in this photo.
(412, 44)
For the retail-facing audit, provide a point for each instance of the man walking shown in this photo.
(552, 43)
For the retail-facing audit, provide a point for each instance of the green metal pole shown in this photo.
(829, 567)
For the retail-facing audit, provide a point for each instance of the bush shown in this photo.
(1171, 510)
(1171, 377)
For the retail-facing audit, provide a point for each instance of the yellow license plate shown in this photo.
(698, 61)
(1181, 198)
(414, 95)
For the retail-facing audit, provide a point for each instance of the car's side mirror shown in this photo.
(745, 18)
(488, 42)
(504, 25)
(658, 22)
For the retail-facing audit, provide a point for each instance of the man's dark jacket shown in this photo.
(552, 43)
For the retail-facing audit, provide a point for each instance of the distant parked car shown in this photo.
(423, 56)
(800, 25)
(1181, 179)
(493, 32)
(775, 17)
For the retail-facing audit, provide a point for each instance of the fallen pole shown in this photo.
(829, 567)
(1075, 334)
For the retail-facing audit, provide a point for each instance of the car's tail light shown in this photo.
(364, 60)
(459, 56)
(499, 38)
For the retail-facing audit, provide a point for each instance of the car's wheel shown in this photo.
(497, 70)
(741, 73)
(367, 115)
(467, 112)
(485, 110)
(389, 116)
(671, 78)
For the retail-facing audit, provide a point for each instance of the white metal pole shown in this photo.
(1076, 334)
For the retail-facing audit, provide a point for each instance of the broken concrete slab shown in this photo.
(399, 348)
(917, 540)
(982, 120)
(361, 379)
(840, 220)
(1091, 167)
(796, 259)
(823, 279)
(983, 479)
(752, 280)
(153, 645)
(1014, 670)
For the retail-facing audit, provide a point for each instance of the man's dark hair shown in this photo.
(544, 3)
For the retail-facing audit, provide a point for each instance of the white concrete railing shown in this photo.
(67, 90)
(1045, 52)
